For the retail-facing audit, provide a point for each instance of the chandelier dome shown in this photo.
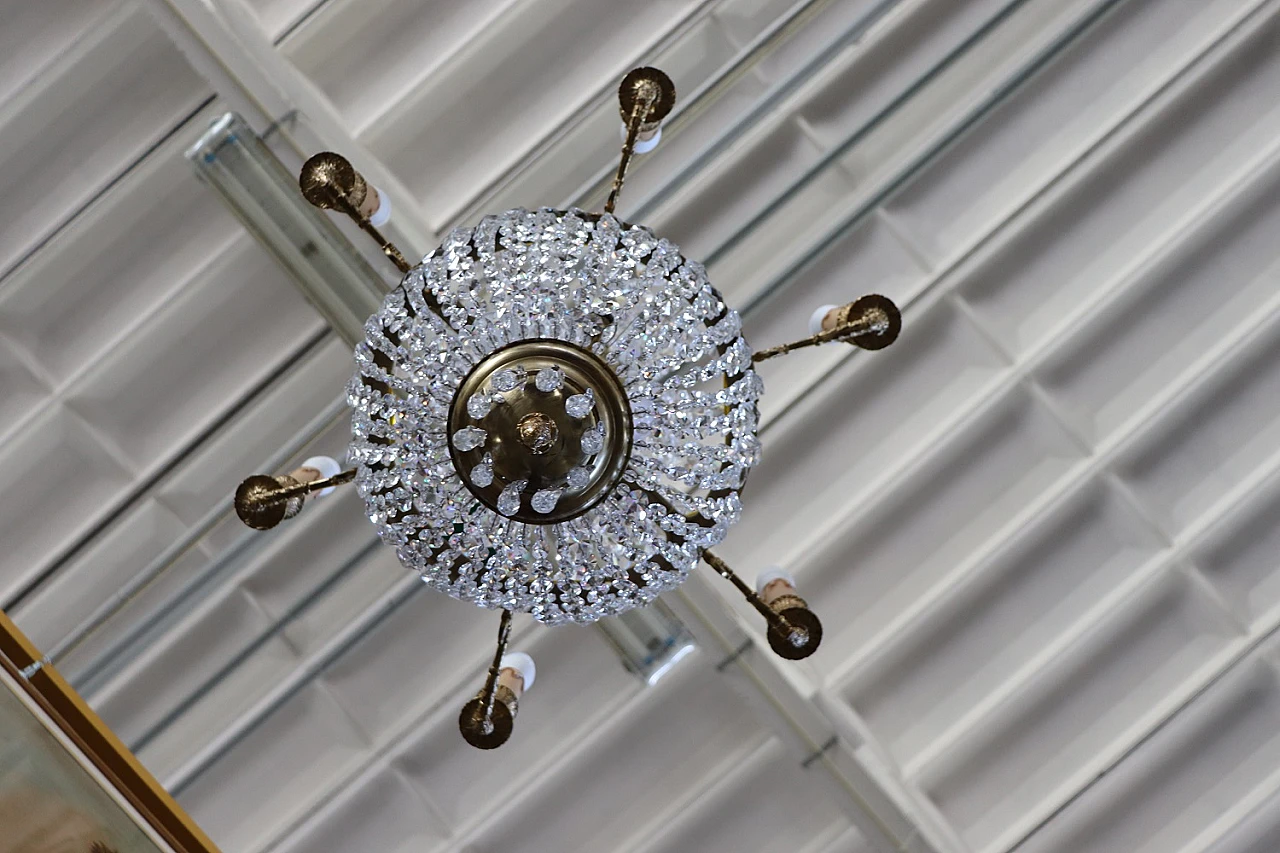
(554, 413)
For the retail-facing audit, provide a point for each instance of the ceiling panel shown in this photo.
(1041, 527)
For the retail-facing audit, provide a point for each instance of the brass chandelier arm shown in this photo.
(338, 479)
(628, 151)
(777, 621)
(795, 631)
(330, 182)
(283, 493)
(263, 501)
(872, 322)
(388, 248)
(486, 722)
(491, 681)
(645, 97)
(812, 341)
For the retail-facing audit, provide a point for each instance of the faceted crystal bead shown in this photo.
(469, 438)
(479, 404)
(482, 474)
(593, 440)
(545, 500)
(509, 499)
(549, 379)
(580, 405)
(578, 478)
(509, 379)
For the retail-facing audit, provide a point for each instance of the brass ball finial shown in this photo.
(806, 630)
(642, 84)
(257, 506)
(882, 315)
(482, 733)
(326, 178)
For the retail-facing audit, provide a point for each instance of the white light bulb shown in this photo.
(327, 466)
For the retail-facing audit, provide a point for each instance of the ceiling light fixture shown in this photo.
(555, 413)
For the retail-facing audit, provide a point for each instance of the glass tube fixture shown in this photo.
(554, 412)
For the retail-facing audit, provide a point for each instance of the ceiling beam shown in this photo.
(829, 744)
(224, 42)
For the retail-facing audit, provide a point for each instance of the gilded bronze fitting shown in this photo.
(327, 180)
(872, 322)
(804, 634)
(493, 731)
(330, 182)
(787, 601)
(530, 436)
(257, 503)
(538, 432)
(263, 501)
(649, 89)
(645, 97)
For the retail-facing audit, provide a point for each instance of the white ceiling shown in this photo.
(1042, 529)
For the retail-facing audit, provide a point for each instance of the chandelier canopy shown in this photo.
(554, 413)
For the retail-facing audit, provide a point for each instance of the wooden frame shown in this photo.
(95, 746)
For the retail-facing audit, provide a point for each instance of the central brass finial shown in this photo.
(537, 432)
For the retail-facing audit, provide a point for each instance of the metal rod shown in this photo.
(777, 621)
(851, 329)
(491, 682)
(726, 77)
(286, 492)
(388, 248)
(647, 97)
(994, 97)
(107, 663)
(823, 164)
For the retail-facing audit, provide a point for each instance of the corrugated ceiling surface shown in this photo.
(1041, 528)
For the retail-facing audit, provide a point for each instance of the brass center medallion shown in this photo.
(540, 431)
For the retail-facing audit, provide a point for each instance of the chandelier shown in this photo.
(555, 413)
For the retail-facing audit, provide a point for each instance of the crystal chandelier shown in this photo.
(555, 413)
